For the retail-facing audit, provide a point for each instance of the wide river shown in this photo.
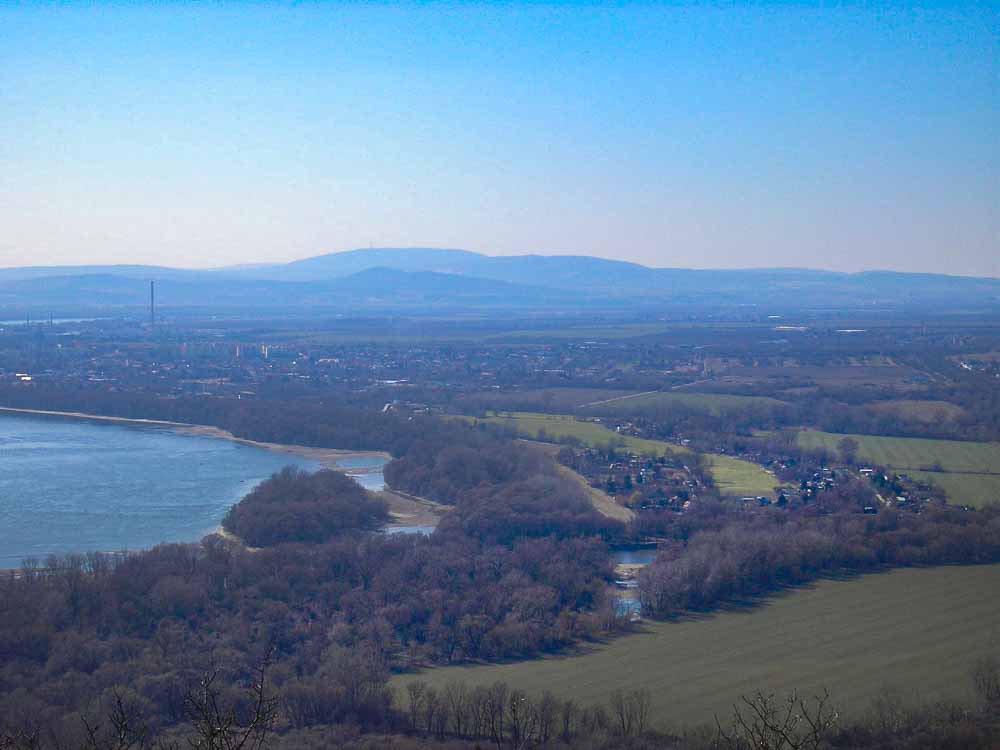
(78, 485)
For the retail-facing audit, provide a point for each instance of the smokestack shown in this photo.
(152, 304)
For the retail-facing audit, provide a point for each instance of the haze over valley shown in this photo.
(656, 406)
(422, 280)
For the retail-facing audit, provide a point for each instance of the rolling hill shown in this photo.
(415, 278)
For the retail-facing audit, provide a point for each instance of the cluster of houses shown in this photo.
(638, 482)
(901, 490)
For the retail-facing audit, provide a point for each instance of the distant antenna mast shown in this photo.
(152, 304)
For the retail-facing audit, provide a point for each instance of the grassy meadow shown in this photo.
(914, 453)
(591, 433)
(714, 403)
(970, 471)
(917, 629)
(968, 489)
(541, 399)
(732, 475)
(923, 411)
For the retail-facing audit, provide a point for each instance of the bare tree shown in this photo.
(548, 708)
(620, 711)
(630, 710)
(219, 727)
(20, 739)
(847, 448)
(479, 699)
(123, 729)
(567, 720)
(986, 679)
(441, 717)
(640, 702)
(456, 696)
(763, 722)
(415, 692)
(523, 720)
(496, 710)
(432, 708)
(888, 713)
(593, 720)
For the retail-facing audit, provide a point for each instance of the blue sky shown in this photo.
(847, 137)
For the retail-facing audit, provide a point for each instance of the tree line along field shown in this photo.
(611, 402)
(566, 426)
(732, 475)
(714, 403)
(916, 629)
(967, 489)
(914, 453)
(544, 399)
(970, 471)
(921, 410)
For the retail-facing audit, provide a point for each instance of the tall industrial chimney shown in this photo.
(152, 304)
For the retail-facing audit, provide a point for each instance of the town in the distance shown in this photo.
(610, 507)
(498, 375)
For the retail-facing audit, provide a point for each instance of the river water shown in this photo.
(366, 471)
(628, 599)
(79, 485)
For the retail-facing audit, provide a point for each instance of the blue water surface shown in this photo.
(78, 485)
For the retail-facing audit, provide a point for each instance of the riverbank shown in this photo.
(326, 457)
(406, 510)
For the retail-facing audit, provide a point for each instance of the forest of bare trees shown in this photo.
(520, 567)
(255, 714)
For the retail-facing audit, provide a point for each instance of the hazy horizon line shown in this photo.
(552, 254)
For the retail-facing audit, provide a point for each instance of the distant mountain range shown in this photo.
(441, 280)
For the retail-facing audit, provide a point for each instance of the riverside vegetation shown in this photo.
(519, 568)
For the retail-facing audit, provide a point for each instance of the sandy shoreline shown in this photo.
(327, 457)
(406, 510)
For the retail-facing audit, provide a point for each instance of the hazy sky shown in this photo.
(672, 135)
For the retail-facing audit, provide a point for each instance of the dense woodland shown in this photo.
(439, 459)
(518, 568)
(296, 506)
(313, 422)
(256, 714)
(332, 613)
(720, 556)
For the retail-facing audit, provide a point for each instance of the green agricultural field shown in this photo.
(918, 629)
(971, 471)
(591, 433)
(968, 489)
(544, 399)
(914, 453)
(923, 411)
(736, 477)
(732, 475)
(714, 403)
